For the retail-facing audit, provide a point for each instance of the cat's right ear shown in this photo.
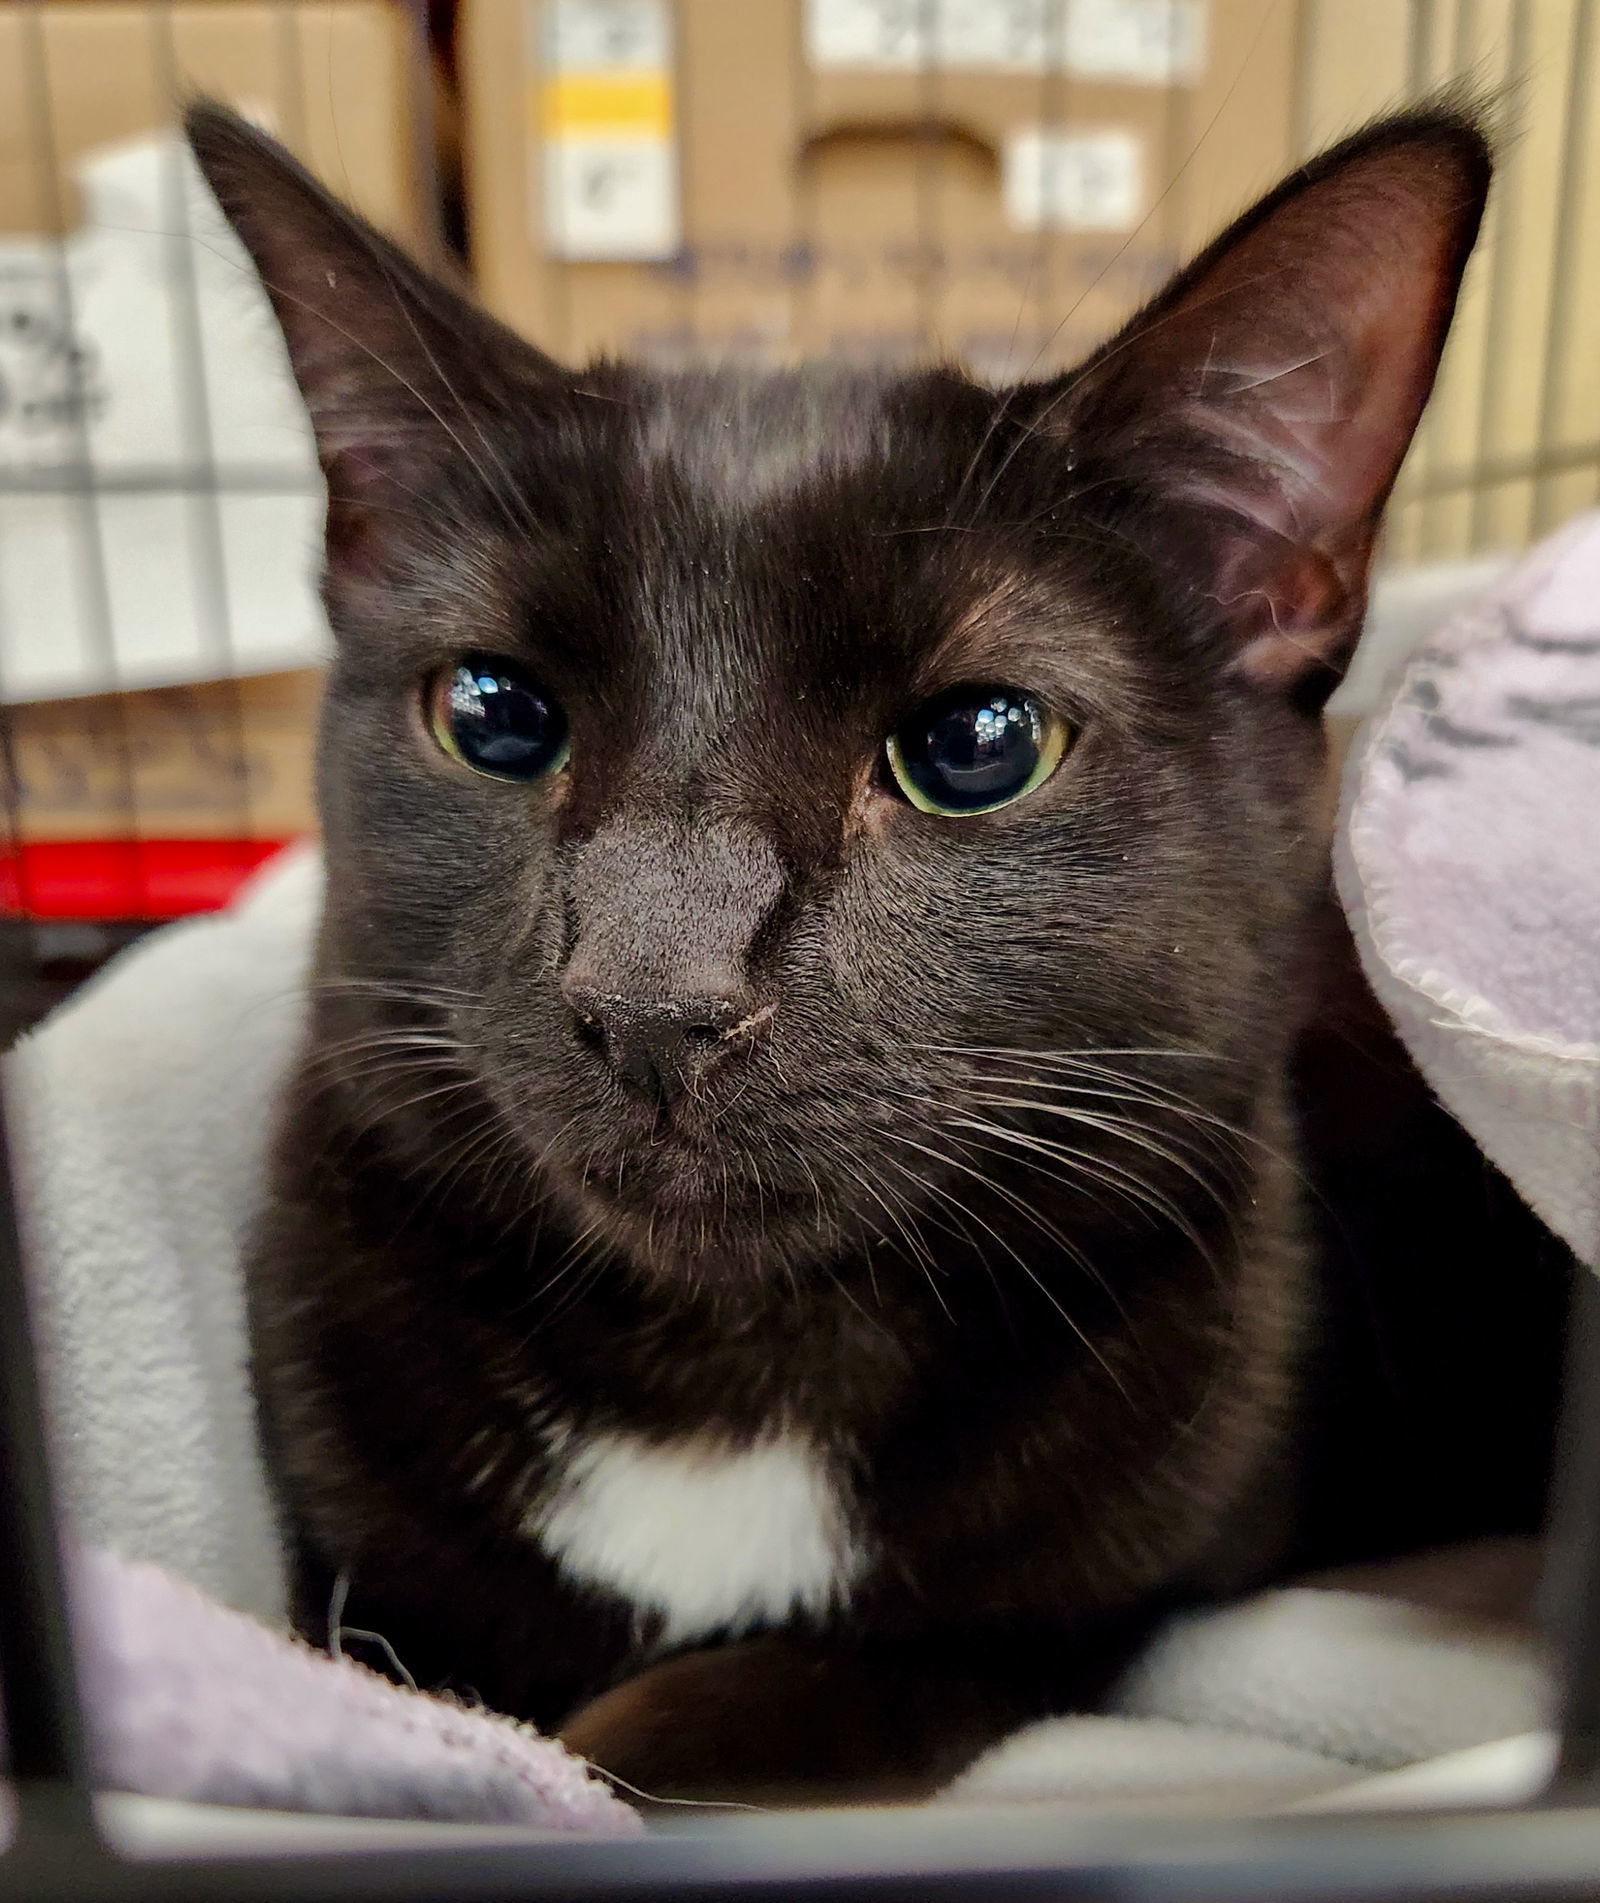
(397, 370)
(1254, 416)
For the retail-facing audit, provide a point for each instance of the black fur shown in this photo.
(991, 1189)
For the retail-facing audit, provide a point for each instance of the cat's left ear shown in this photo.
(399, 371)
(1256, 413)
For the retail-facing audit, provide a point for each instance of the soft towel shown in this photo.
(140, 1119)
(1289, 1695)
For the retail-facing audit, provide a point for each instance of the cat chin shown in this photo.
(701, 1244)
(678, 1214)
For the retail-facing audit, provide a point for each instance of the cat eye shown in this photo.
(488, 714)
(976, 749)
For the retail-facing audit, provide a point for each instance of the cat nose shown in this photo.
(663, 1045)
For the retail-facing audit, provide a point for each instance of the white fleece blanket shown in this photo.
(140, 1114)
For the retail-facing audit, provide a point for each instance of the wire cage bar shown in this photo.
(139, 783)
(43, 1728)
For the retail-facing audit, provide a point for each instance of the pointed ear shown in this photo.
(398, 371)
(1257, 411)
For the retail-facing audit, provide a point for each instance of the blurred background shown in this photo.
(997, 180)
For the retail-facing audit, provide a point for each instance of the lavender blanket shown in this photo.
(185, 1698)
(1469, 863)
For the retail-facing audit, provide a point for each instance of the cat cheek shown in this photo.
(553, 794)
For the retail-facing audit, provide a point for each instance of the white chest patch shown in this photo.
(709, 1536)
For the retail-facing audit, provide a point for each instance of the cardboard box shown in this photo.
(839, 189)
(332, 78)
(856, 177)
(133, 338)
(218, 760)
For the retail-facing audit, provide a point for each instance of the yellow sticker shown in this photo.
(586, 105)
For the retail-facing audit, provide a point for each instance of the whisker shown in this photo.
(1084, 1165)
(1005, 1243)
(1123, 1129)
(1068, 1055)
(406, 990)
(1131, 1187)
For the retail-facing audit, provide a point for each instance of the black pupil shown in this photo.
(974, 747)
(501, 723)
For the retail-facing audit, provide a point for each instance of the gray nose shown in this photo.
(665, 915)
(661, 1045)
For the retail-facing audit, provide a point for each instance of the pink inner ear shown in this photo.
(1316, 444)
(1290, 608)
(1277, 384)
(1311, 450)
(1317, 405)
(1315, 432)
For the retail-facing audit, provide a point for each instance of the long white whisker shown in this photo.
(899, 1136)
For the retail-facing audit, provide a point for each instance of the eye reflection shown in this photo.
(491, 716)
(976, 749)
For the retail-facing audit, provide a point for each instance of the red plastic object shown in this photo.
(129, 879)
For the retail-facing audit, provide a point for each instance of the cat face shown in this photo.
(715, 958)
(791, 813)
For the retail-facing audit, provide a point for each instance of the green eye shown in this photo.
(976, 749)
(486, 713)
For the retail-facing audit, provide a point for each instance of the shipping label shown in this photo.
(1052, 179)
(1139, 42)
(603, 113)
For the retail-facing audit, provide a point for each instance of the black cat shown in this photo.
(787, 1248)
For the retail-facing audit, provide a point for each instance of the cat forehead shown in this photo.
(744, 437)
(708, 539)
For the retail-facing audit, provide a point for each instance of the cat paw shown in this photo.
(760, 1722)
